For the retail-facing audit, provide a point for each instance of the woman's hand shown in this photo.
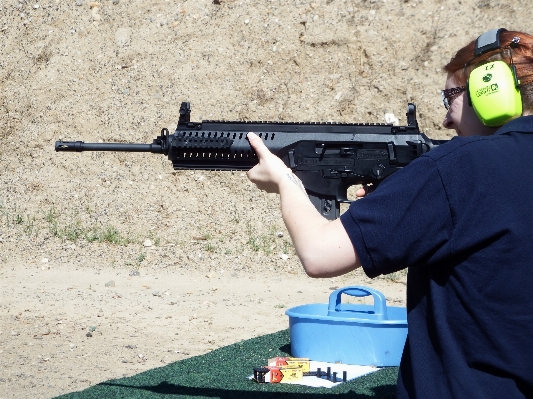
(360, 192)
(270, 171)
(364, 190)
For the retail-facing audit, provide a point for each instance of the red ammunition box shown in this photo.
(277, 361)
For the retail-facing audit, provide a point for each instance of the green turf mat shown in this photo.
(223, 374)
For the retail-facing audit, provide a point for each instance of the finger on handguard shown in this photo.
(254, 140)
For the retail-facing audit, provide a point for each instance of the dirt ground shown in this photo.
(110, 263)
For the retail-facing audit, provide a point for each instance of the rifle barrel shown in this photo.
(79, 146)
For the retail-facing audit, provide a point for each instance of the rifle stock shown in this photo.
(327, 157)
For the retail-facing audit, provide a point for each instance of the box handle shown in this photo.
(335, 307)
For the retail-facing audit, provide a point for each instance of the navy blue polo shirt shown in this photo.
(460, 218)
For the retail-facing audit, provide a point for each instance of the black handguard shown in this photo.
(327, 157)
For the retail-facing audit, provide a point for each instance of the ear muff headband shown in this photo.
(493, 87)
(488, 41)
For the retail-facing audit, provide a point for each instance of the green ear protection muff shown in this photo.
(493, 87)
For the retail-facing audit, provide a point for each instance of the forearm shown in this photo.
(323, 246)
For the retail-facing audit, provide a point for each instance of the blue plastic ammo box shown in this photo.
(349, 333)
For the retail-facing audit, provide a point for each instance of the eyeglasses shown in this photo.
(449, 94)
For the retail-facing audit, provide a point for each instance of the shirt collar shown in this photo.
(523, 124)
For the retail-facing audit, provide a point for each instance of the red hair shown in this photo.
(522, 57)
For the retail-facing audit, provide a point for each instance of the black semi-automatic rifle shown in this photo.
(327, 157)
